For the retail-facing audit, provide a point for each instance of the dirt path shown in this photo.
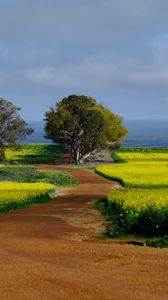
(49, 252)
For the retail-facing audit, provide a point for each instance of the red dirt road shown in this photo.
(49, 252)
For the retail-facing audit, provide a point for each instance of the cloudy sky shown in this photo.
(113, 50)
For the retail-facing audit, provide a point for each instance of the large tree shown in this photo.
(83, 126)
(12, 126)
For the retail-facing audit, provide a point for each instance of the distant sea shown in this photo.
(140, 134)
(147, 134)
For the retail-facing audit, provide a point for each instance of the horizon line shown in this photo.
(125, 120)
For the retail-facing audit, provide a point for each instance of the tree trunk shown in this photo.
(77, 158)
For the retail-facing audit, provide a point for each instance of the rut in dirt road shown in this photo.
(49, 251)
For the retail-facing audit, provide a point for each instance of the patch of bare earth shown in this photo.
(51, 251)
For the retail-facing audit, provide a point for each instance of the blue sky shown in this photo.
(113, 50)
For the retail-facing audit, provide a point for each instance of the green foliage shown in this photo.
(35, 153)
(82, 126)
(158, 242)
(139, 211)
(116, 158)
(12, 126)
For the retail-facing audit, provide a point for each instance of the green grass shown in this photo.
(35, 153)
(31, 174)
(142, 207)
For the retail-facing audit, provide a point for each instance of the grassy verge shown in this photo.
(31, 174)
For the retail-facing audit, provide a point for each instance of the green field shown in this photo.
(142, 207)
(35, 153)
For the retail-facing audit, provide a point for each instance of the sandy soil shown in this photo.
(51, 251)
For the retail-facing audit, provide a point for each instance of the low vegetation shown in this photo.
(139, 173)
(31, 174)
(21, 186)
(141, 150)
(15, 195)
(140, 211)
(142, 207)
(35, 153)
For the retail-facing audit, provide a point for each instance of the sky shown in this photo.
(113, 50)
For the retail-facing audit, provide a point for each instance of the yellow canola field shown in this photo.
(138, 200)
(139, 170)
(141, 208)
(13, 194)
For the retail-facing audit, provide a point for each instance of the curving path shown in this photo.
(50, 251)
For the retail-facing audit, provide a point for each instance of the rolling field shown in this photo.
(142, 207)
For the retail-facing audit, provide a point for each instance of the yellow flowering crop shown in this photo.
(14, 194)
(142, 207)
(139, 170)
(139, 158)
(139, 211)
(138, 200)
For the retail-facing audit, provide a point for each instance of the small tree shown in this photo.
(12, 126)
(82, 126)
